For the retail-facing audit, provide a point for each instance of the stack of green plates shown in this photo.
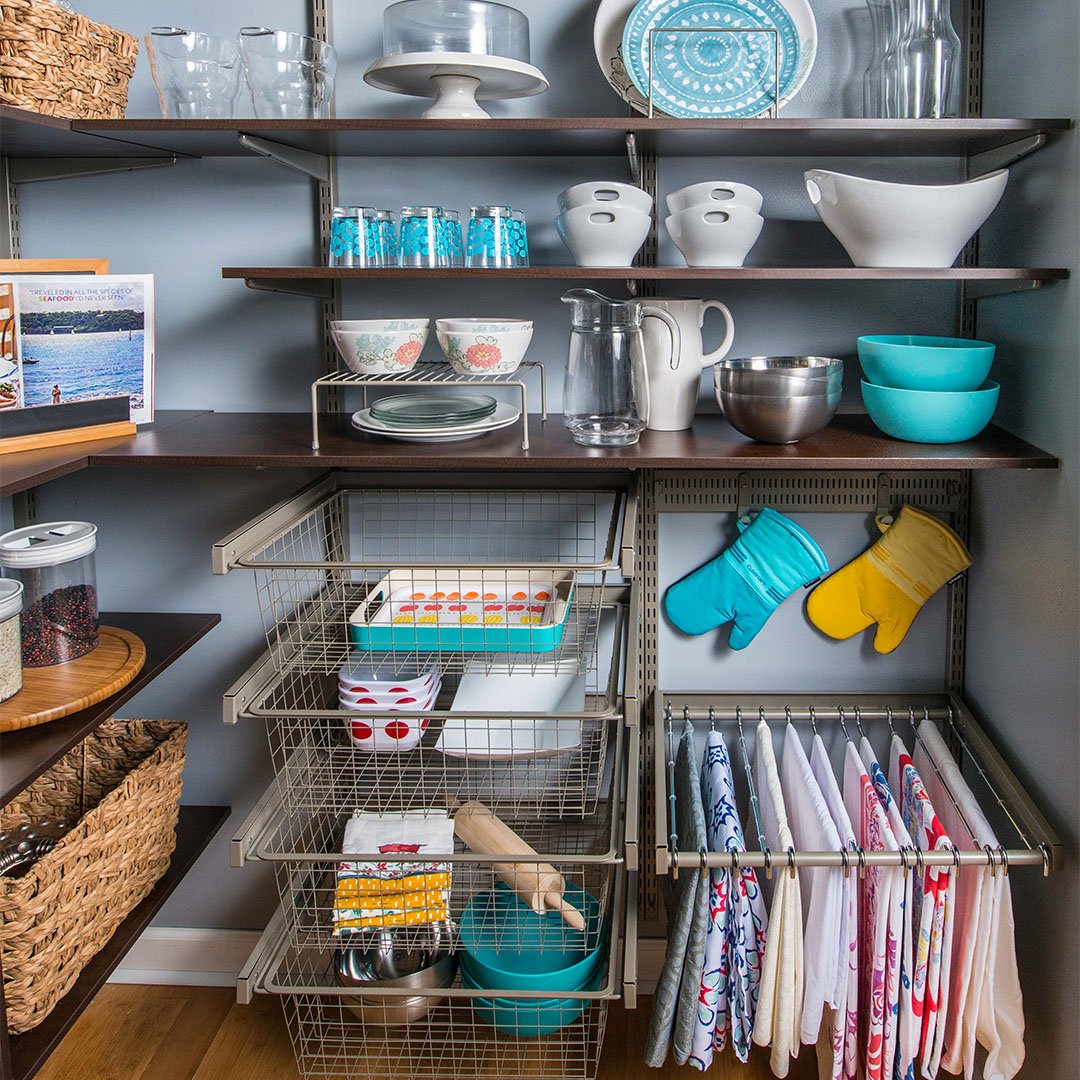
(432, 410)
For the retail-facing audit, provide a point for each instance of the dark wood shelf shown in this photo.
(25, 134)
(27, 469)
(29, 1051)
(25, 755)
(283, 440)
(284, 275)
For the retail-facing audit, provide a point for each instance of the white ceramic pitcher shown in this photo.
(675, 376)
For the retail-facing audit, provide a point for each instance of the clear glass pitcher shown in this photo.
(606, 391)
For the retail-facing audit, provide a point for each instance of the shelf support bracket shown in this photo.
(292, 157)
(980, 290)
(34, 170)
(999, 157)
(319, 290)
(634, 154)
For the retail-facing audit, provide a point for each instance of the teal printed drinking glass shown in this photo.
(497, 237)
(388, 230)
(455, 241)
(356, 238)
(423, 237)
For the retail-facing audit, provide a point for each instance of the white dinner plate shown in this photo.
(504, 416)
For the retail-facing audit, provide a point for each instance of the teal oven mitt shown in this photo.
(746, 583)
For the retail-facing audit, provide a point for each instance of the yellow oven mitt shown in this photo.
(889, 583)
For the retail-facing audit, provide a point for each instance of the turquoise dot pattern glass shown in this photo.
(498, 238)
(356, 239)
(424, 240)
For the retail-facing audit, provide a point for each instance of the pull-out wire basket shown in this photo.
(1026, 838)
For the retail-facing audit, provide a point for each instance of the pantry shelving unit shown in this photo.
(848, 467)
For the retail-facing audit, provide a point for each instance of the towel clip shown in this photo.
(990, 860)
(920, 863)
(844, 862)
(955, 857)
(888, 717)
(704, 855)
(791, 861)
(1004, 860)
(1046, 859)
(712, 717)
(768, 864)
(813, 719)
(734, 860)
(862, 862)
(674, 865)
(903, 860)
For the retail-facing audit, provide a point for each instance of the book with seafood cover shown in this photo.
(84, 337)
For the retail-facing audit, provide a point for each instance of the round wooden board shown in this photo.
(51, 692)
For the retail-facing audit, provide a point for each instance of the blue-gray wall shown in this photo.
(224, 348)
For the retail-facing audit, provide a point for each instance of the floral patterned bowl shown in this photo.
(484, 346)
(380, 346)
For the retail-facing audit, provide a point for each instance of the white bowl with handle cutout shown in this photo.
(709, 236)
(603, 234)
(718, 194)
(606, 192)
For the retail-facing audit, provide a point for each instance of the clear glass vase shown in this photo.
(929, 62)
(879, 82)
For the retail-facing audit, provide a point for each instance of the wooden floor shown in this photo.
(196, 1033)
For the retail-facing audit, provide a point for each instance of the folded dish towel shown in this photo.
(409, 887)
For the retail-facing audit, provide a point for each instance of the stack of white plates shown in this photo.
(435, 418)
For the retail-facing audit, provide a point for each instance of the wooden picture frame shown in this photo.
(54, 266)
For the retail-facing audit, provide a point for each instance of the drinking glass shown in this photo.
(455, 243)
(928, 65)
(291, 77)
(197, 75)
(356, 238)
(497, 237)
(388, 229)
(423, 237)
(880, 95)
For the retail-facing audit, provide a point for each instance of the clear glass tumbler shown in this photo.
(356, 238)
(929, 59)
(453, 237)
(497, 237)
(291, 76)
(423, 237)
(388, 227)
(197, 75)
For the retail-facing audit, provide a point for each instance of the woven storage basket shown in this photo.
(119, 789)
(55, 62)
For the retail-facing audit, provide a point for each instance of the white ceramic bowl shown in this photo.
(606, 192)
(911, 225)
(603, 235)
(708, 236)
(375, 702)
(712, 192)
(484, 346)
(380, 346)
(396, 735)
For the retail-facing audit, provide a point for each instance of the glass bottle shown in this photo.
(929, 60)
(880, 97)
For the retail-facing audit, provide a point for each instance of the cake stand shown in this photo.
(456, 80)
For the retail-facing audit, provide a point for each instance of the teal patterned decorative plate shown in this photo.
(714, 72)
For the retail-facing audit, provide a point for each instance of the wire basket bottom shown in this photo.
(338, 1040)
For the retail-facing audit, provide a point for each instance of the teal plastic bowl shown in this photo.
(917, 416)
(906, 362)
(531, 1018)
(506, 945)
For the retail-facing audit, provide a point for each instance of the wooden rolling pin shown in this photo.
(539, 885)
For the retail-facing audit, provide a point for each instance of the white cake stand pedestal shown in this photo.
(457, 81)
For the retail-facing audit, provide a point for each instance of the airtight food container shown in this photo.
(56, 565)
(11, 599)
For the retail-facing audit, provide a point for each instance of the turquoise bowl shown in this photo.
(531, 1018)
(917, 416)
(906, 362)
(506, 945)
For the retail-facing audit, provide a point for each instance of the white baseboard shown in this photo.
(177, 956)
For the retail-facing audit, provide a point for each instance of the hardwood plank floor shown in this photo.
(199, 1033)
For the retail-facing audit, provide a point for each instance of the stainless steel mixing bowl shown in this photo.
(779, 420)
(801, 367)
(779, 376)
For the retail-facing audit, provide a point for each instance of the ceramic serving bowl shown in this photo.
(906, 362)
(484, 346)
(710, 236)
(605, 193)
(778, 420)
(362, 678)
(603, 235)
(396, 735)
(380, 346)
(407, 701)
(930, 417)
(912, 225)
(717, 194)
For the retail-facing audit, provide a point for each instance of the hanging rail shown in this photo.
(1041, 846)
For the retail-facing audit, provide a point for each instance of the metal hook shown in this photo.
(704, 856)
(712, 717)
(858, 723)
(843, 723)
(920, 862)
(888, 717)
(761, 714)
(674, 865)
(1046, 859)
(862, 862)
(813, 719)
(768, 864)
(1004, 860)
(903, 860)
(686, 713)
(787, 713)
(791, 861)
(956, 857)
(845, 863)
(990, 860)
(734, 860)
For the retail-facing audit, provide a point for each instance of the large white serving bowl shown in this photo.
(911, 225)
(380, 346)
(484, 346)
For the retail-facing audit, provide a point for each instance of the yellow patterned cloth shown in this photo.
(352, 888)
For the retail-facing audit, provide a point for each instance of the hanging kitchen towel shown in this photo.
(984, 1001)
(680, 901)
(822, 891)
(843, 1042)
(746, 583)
(873, 832)
(901, 1027)
(779, 1017)
(738, 922)
(933, 907)
(889, 583)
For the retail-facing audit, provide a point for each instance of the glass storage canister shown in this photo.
(11, 601)
(56, 564)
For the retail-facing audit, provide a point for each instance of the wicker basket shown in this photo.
(55, 62)
(120, 791)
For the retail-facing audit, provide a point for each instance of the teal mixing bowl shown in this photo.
(508, 946)
(530, 1018)
(906, 362)
(916, 416)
